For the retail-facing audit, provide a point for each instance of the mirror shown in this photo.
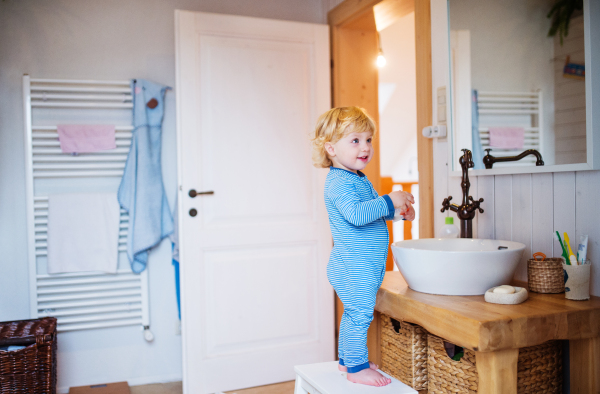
(512, 87)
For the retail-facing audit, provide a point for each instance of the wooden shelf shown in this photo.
(492, 330)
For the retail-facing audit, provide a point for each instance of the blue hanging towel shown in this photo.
(175, 243)
(141, 192)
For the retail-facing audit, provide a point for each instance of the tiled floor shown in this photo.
(175, 388)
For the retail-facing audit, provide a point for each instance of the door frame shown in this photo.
(354, 46)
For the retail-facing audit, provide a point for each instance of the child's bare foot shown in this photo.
(370, 377)
(343, 368)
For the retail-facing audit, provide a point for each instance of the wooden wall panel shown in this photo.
(387, 12)
(355, 80)
(346, 11)
(424, 116)
(439, 78)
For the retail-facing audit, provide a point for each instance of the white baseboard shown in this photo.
(139, 381)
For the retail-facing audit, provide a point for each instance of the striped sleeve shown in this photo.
(345, 198)
(390, 204)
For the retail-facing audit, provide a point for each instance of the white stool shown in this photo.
(326, 378)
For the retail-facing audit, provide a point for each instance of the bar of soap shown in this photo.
(520, 295)
(504, 289)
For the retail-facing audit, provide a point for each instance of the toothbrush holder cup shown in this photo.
(577, 281)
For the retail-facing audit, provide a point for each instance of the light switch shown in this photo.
(441, 114)
(441, 105)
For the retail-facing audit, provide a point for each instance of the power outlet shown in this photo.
(177, 327)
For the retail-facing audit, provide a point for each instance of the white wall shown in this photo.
(106, 39)
(526, 208)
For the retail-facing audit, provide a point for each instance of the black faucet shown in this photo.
(466, 211)
(489, 160)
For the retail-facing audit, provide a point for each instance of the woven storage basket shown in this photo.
(33, 368)
(546, 276)
(539, 370)
(404, 352)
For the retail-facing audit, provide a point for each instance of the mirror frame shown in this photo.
(591, 11)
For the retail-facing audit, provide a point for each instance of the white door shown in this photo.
(255, 296)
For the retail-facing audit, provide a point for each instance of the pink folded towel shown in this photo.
(86, 138)
(507, 137)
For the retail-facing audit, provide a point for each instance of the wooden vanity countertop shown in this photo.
(471, 322)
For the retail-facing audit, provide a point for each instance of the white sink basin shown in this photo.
(457, 266)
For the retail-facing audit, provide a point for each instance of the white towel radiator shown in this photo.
(88, 300)
(522, 109)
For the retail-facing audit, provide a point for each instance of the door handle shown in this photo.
(193, 193)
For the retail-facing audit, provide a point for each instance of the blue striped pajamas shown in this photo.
(357, 263)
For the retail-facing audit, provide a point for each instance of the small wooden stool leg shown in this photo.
(497, 371)
(584, 357)
(298, 389)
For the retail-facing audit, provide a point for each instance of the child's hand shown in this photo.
(409, 214)
(402, 200)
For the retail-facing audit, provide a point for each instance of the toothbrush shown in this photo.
(564, 251)
(568, 243)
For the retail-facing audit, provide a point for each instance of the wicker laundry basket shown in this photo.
(33, 368)
(546, 276)
(404, 352)
(539, 369)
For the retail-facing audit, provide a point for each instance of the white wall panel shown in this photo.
(522, 219)
(473, 192)
(485, 220)
(503, 212)
(542, 206)
(564, 207)
(587, 218)
(455, 191)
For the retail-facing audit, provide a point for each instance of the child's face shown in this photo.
(353, 152)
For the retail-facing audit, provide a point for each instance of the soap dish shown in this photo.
(517, 297)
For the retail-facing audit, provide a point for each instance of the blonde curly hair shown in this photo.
(333, 125)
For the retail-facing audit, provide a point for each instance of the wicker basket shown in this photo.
(404, 352)
(539, 370)
(33, 368)
(546, 276)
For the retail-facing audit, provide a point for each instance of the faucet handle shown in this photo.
(446, 203)
(475, 204)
